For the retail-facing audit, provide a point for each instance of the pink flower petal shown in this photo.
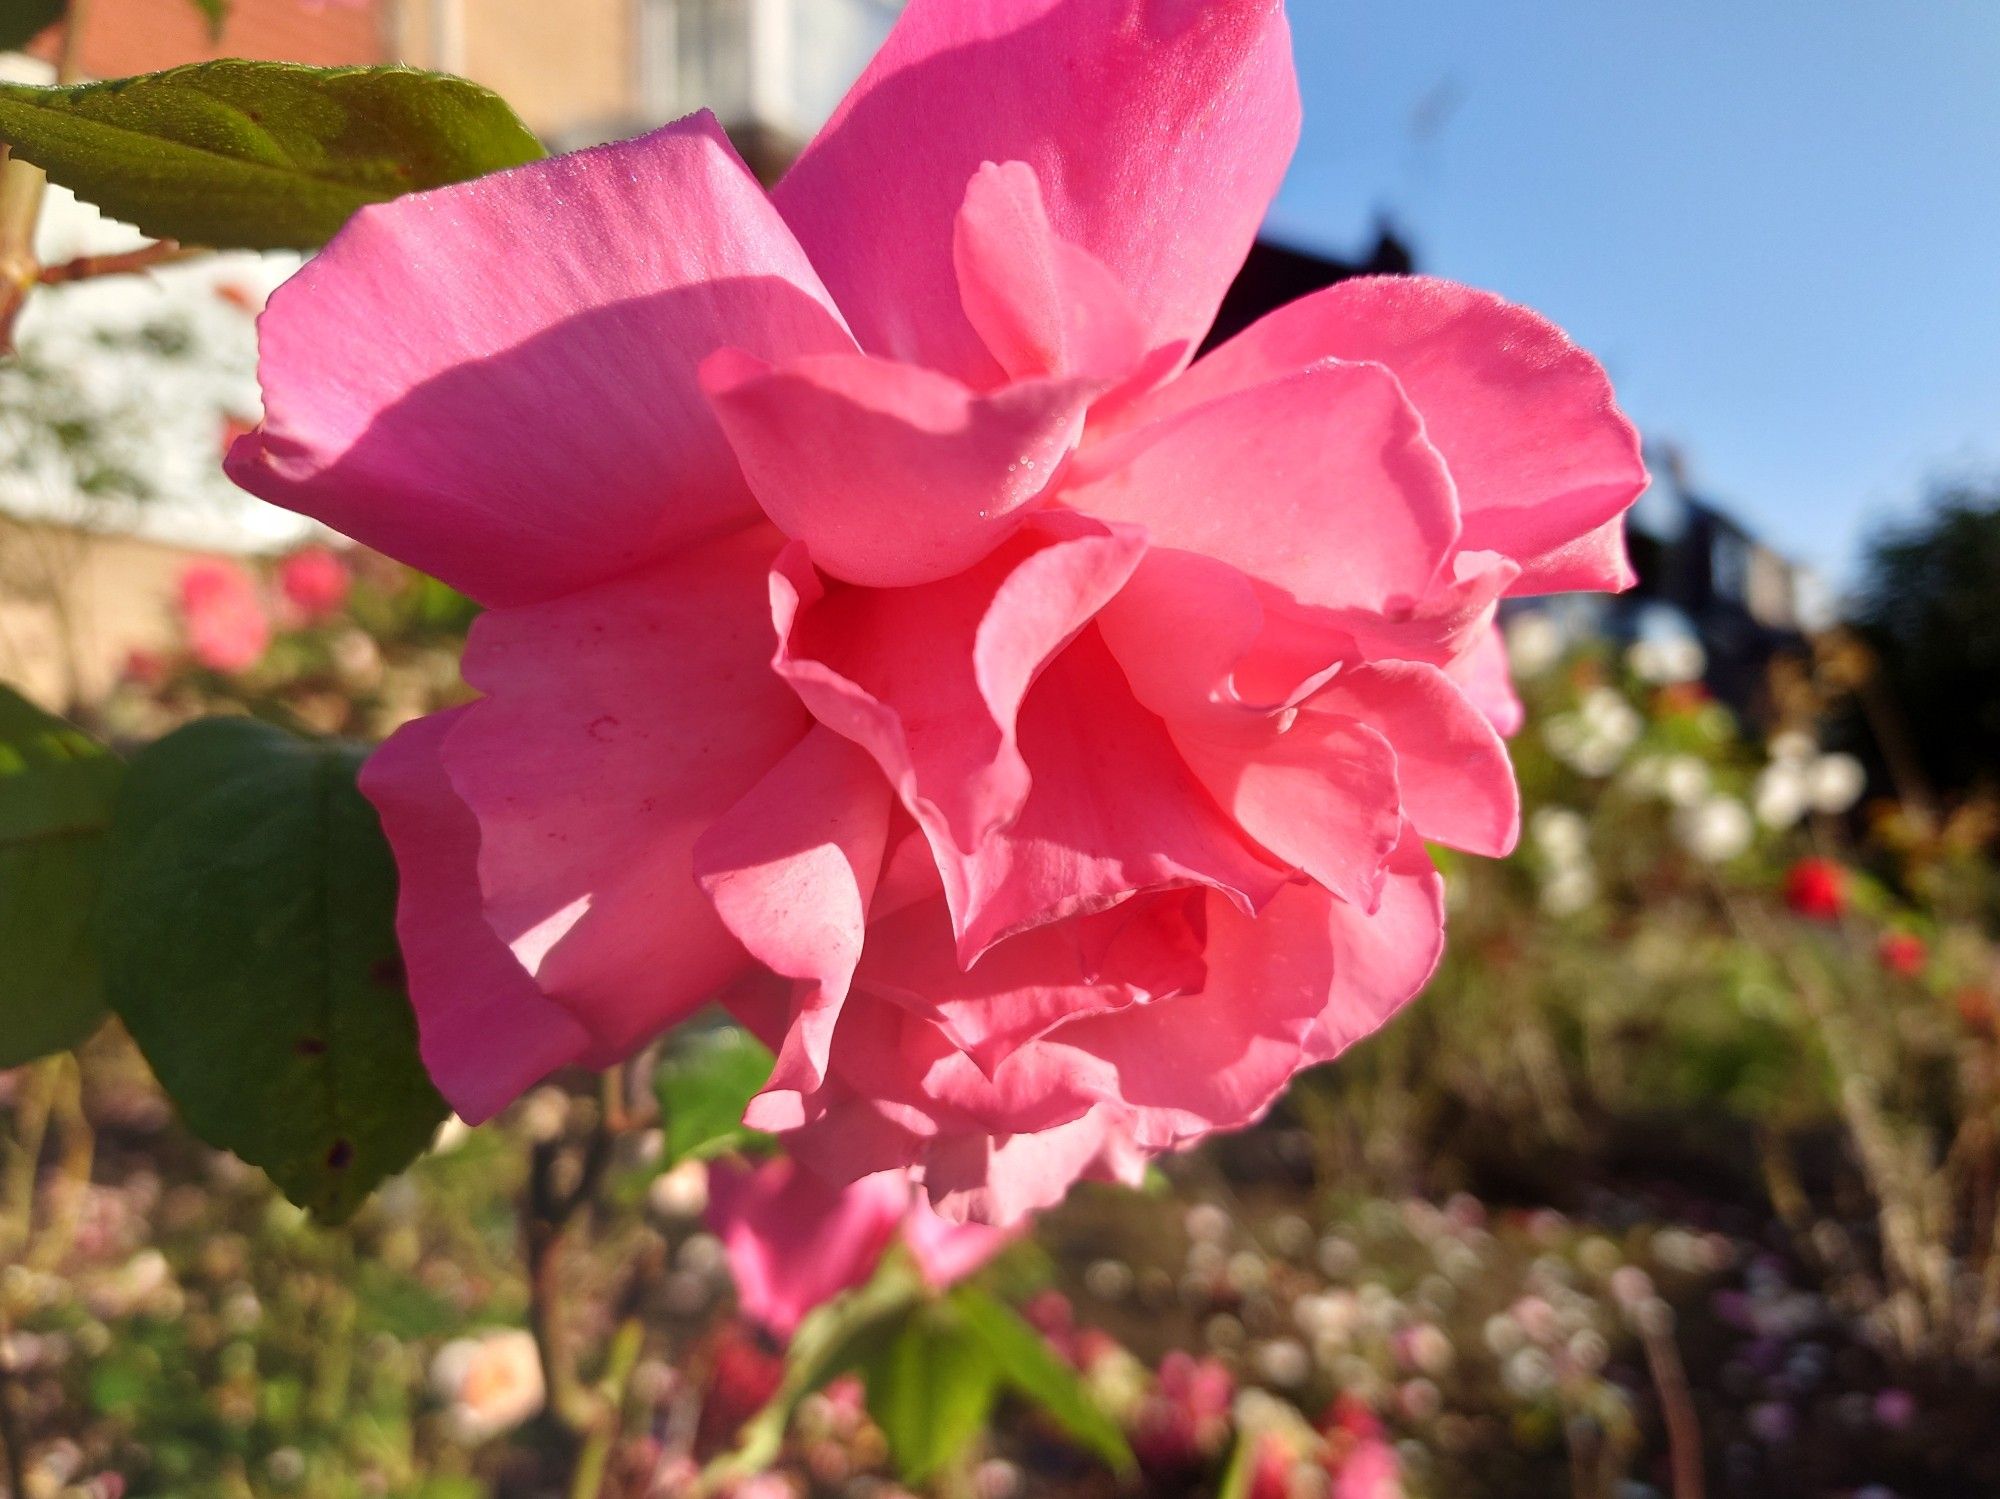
(1114, 810)
(486, 1032)
(1159, 130)
(947, 1252)
(1381, 959)
(1321, 796)
(1147, 948)
(1002, 1180)
(1321, 483)
(891, 475)
(1483, 675)
(1041, 305)
(1216, 1060)
(1455, 781)
(1544, 461)
(495, 382)
(791, 868)
(795, 1242)
(931, 679)
(619, 723)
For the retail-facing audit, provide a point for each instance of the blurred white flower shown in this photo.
(1663, 662)
(681, 1192)
(492, 1383)
(1207, 1222)
(1503, 1335)
(1595, 737)
(1570, 891)
(1684, 780)
(1534, 643)
(1781, 793)
(1563, 835)
(1109, 1280)
(1529, 1373)
(1793, 745)
(1714, 830)
(1835, 783)
(1283, 1362)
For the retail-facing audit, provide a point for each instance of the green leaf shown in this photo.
(1033, 1369)
(931, 1386)
(260, 155)
(1241, 1470)
(247, 935)
(703, 1088)
(21, 21)
(216, 13)
(57, 785)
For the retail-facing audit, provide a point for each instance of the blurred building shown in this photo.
(578, 72)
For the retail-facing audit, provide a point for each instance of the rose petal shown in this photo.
(1544, 461)
(1321, 796)
(1042, 306)
(794, 1242)
(1384, 958)
(1159, 130)
(1455, 781)
(790, 869)
(1114, 810)
(495, 382)
(1146, 949)
(1484, 676)
(619, 723)
(486, 1032)
(891, 475)
(947, 1252)
(1321, 483)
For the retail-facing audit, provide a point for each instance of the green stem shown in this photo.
(22, 186)
(587, 1482)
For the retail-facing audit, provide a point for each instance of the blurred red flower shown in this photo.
(1904, 954)
(1817, 889)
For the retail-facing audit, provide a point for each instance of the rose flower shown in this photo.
(1032, 732)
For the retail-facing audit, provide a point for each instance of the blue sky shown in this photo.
(1777, 221)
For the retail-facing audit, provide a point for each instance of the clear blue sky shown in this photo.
(1777, 221)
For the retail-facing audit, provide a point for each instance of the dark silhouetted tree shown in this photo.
(1930, 606)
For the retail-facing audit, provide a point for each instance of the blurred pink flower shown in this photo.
(1185, 1420)
(1369, 1471)
(223, 615)
(795, 1242)
(1032, 735)
(315, 581)
(1271, 1468)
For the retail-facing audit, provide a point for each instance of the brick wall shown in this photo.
(138, 36)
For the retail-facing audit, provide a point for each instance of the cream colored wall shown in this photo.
(74, 606)
(568, 68)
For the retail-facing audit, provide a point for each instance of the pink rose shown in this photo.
(223, 615)
(1033, 736)
(794, 1242)
(315, 582)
